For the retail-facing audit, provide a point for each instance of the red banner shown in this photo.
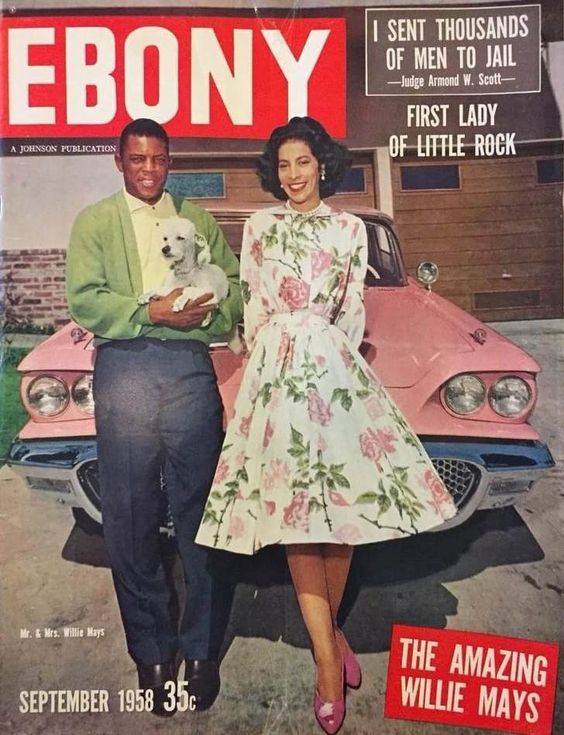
(199, 76)
(472, 679)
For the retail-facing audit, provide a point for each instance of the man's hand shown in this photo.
(193, 314)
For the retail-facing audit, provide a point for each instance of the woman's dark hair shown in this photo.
(333, 156)
(143, 127)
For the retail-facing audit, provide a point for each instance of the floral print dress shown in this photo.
(316, 450)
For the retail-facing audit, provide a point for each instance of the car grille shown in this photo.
(88, 478)
(461, 478)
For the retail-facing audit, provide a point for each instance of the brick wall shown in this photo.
(32, 285)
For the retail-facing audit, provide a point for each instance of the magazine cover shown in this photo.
(397, 390)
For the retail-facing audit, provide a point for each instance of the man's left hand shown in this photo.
(192, 315)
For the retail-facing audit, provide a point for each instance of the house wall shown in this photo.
(497, 239)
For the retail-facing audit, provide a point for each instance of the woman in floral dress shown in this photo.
(317, 456)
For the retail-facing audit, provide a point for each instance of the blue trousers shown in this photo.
(158, 406)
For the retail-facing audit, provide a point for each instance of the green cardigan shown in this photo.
(103, 274)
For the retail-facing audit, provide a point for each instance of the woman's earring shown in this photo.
(323, 173)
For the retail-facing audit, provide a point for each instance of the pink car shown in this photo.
(467, 391)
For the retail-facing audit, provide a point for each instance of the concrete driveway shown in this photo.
(500, 573)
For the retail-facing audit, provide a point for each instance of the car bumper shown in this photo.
(499, 472)
(479, 475)
(65, 471)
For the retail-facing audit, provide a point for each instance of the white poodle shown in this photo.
(191, 266)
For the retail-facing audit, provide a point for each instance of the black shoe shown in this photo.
(203, 682)
(155, 677)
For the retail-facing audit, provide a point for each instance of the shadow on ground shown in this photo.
(391, 582)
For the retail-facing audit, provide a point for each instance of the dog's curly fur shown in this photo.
(191, 269)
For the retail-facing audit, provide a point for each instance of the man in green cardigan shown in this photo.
(158, 409)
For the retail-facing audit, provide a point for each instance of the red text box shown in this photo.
(472, 679)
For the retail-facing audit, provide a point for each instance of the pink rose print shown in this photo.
(347, 357)
(240, 459)
(369, 445)
(337, 499)
(320, 360)
(347, 534)
(295, 293)
(252, 278)
(439, 492)
(295, 514)
(386, 437)
(355, 229)
(245, 425)
(236, 527)
(256, 252)
(320, 262)
(275, 398)
(269, 506)
(373, 444)
(374, 407)
(268, 432)
(221, 472)
(279, 473)
(319, 411)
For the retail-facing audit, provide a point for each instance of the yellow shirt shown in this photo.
(154, 266)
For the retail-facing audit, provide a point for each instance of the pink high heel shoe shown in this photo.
(353, 672)
(331, 715)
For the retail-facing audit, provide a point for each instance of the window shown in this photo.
(384, 264)
(197, 185)
(550, 171)
(429, 177)
(353, 183)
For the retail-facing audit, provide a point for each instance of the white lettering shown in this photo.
(296, 71)
(23, 75)
(209, 62)
(81, 75)
(166, 44)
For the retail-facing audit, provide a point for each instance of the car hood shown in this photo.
(411, 331)
(70, 348)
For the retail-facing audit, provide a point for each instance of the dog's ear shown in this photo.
(204, 252)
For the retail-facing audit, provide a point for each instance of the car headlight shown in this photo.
(509, 396)
(48, 396)
(465, 394)
(82, 394)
